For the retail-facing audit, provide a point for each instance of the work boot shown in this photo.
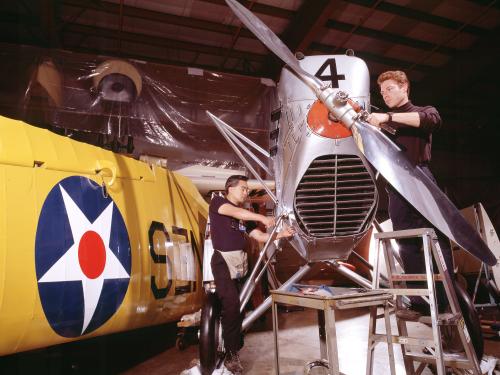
(233, 363)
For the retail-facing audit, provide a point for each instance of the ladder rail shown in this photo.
(436, 329)
(455, 306)
(390, 266)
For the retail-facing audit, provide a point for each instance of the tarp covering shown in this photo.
(105, 101)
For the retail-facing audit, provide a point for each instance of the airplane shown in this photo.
(151, 272)
(93, 242)
(325, 159)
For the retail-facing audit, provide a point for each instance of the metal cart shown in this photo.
(326, 300)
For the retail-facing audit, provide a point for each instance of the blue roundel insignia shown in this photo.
(82, 257)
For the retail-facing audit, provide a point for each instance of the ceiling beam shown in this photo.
(268, 10)
(303, 29)
(126, 54)
(101, 32)
(298, 36)
(387, 37)
(307, 23)
(165, 18)
(486, 3)
(314, 17)
(421, 16)
(383, 6)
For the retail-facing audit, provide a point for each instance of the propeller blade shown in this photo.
(418, 189)
(380, 151)
(271, 41)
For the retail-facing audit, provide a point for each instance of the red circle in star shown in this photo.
(91, 254)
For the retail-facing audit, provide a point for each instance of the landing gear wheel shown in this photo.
(210, 333)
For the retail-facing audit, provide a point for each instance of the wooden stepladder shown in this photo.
(462, 363)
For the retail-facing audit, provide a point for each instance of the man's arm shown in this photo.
(405, 118)
(241, 214)
(260, 236)
(428, 119)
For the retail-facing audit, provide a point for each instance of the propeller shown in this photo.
(410, 181)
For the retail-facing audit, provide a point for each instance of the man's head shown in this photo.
(394, 88)
(237, 189)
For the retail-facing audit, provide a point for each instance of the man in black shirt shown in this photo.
(228, 225)
(414, 126)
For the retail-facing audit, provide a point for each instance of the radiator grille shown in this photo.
(335, 197)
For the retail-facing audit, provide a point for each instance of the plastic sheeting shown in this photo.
(107, 101)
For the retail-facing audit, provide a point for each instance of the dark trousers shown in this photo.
(228, 292)
(405, 216)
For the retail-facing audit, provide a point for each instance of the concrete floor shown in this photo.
(299, 344)
(152, 351)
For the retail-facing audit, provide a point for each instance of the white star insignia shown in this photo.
(69, 267)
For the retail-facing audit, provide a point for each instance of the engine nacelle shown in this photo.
(322, 178)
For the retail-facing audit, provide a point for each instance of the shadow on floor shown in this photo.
(110, 354)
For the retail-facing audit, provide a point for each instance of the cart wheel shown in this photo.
(180, 343)
(209, 333)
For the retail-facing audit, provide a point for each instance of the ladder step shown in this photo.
(407, 233)
(404, 340)
(413, 277)
(447, 319)
(408, 292)
(458, 360)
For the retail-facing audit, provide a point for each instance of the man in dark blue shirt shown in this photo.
(414, 126)
(229, 223)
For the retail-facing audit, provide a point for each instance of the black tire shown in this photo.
(471, 320)
(209, 333)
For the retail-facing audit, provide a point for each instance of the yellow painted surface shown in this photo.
(32, 162)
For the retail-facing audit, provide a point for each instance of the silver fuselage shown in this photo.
(324, 182)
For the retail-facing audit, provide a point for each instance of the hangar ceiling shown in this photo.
(421, 37)
(450, 48)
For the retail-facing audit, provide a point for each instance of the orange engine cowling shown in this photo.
(320, 123)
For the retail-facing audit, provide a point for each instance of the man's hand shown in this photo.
(376, 119)
(286, 232)
(263, 237)
(268, 221)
